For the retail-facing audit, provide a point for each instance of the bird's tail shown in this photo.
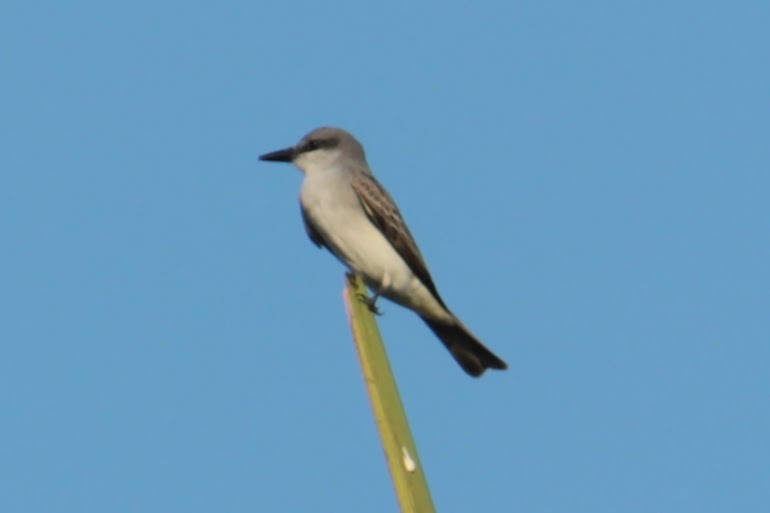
(471, 354)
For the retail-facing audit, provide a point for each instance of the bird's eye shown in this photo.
(312, 145)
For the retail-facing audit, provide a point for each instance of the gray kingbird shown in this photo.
(347, 211)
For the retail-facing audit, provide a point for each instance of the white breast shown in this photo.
(333, 207)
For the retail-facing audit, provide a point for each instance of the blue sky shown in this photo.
(588, 182)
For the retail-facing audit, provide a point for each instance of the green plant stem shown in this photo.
(400, 450)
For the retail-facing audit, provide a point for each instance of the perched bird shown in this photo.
(348, 212)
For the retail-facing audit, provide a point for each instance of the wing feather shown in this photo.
(315, 236)
(383, 213)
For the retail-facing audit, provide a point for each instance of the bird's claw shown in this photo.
(371, 303)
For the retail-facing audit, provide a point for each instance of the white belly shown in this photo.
(338, 216)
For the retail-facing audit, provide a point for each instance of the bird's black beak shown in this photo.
(285, 155)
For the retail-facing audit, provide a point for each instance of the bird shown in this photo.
(346, 210)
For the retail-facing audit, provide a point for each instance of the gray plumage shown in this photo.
(347, 211)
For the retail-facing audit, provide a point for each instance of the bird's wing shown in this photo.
(315, 237)
(383, 213)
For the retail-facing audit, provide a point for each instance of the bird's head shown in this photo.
(323, 148)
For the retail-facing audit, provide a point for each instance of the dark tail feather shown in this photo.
(471, 354)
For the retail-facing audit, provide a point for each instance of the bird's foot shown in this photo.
(371, 303)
